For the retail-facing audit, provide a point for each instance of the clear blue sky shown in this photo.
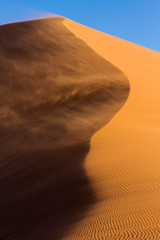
(137, 21)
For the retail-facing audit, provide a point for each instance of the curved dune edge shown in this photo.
(56, 92)
(124, 161)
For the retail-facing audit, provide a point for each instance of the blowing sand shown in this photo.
(55, 93)
(124, 160)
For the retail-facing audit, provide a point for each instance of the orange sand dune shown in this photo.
(61, 82)
(124, 161)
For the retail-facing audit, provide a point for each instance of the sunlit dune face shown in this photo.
(123, 164)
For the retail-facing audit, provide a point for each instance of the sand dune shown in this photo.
(124, 161)
(61, 85)
(55, 93)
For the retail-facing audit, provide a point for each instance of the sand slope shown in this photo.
(55, 93)
(124, 162)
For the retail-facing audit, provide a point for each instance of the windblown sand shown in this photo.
(55, 93)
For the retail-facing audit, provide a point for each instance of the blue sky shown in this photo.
(137, 21)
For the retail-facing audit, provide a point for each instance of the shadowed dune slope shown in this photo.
(55, 93)
(124, 161)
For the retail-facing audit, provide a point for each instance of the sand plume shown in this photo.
(55, 93)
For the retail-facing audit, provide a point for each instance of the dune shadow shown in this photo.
(55, 93)
(45, 192)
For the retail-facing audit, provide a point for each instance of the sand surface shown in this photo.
(124, 160)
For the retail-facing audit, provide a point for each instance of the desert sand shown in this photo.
(79, 134)
(124, 160)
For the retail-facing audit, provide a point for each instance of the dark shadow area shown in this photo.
(43, 192)
(55, 93)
